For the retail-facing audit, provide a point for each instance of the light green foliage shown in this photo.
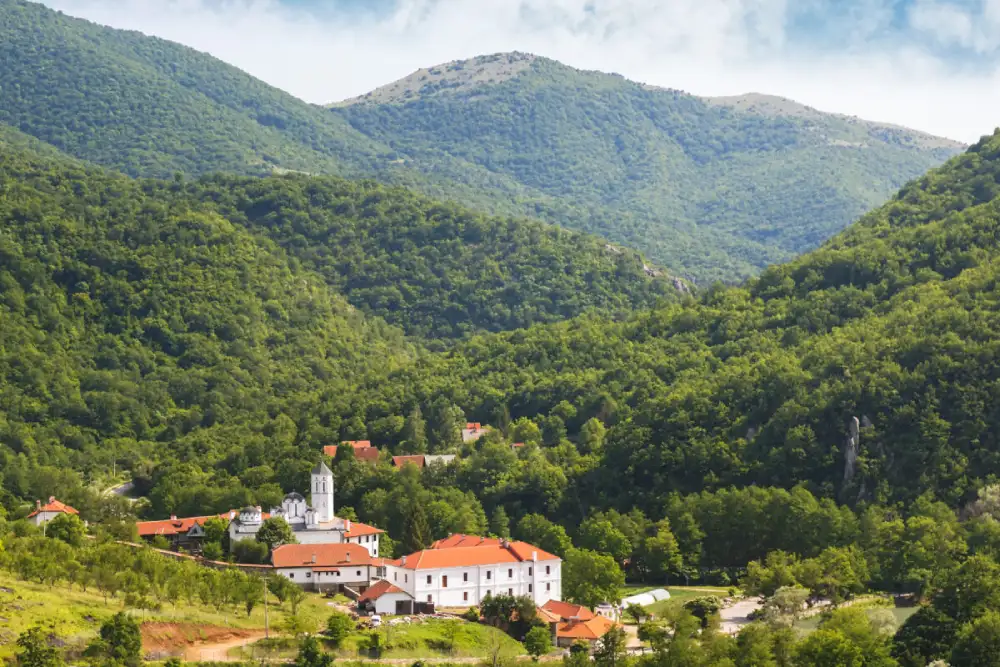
(66, 527)
(338, 627)
(275, 532)
(34, 650)
(590, 578)
(538, 641)
(311, 654)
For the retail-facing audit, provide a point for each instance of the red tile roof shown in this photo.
(383, 587)
(358, 529)
(320, 555)
(591, 629)
(415, 459)
(567, 611)
(362, 450)
(490, 552)
(175, 526)
(53, 506)
(461, 540)
(547, 616)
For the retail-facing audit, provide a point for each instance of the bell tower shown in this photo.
(322, 493)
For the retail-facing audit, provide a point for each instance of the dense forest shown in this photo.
(659, 171)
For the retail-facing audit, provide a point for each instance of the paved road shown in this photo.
(735, 617)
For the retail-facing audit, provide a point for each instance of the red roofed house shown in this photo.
(461, 570)
(384, 597)
(415, 459)
(572, 622)
(327, 567)
(473, 431)
(186, 533)
(363, 450)
(50, 510)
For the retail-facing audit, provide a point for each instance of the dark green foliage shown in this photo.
(926, 636)
(538, 641)
(311, 654)
(121, 640)
(706, 190)
(338, 627)
(978, 643)
(66, 527)
(709, 191)
(416, 532)
(275, 532)
(703, 608)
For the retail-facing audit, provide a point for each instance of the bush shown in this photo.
(471, 615)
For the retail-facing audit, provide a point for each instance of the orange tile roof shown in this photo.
(176, 526)
(462, 540)
(53, 506)
(566, 610)
(415, 459)
(358, 529)
(547, 616)
(320, 555)
(379, 589)
(473, 426)
(591, 629)
(358, 445)
(487, 553)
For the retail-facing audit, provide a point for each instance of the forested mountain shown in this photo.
(711, 189)
(714, 188)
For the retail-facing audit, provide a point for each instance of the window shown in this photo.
(548, 569)
(428, 578)
(548, 587)
(359, 573)
(395, 576)
(529, 588)
(406, 578)
(529, 570)
(291, 575)
(465, 576)
(510, 573)
(489, 574)
(338, 573)
(444, 581)
(465, 596)
(430, 598)
(510, 591)
(309, 575)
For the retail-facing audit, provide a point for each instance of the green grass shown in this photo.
(681, 594)
(433, 638)
(807, 625)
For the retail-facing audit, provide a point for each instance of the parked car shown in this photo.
(375, 620)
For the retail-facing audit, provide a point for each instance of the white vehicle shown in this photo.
(376, 620)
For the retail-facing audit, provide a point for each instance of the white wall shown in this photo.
(386, 604)
(348, 574)
(467, 586)
(44, 517)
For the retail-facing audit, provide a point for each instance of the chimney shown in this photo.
(348, 525)
(173, 517)
(348, 558)
(259, 508)
(314, 559)
(38, 504)
(534, 555)
(402, 561)
(232, 514)
(52, 499)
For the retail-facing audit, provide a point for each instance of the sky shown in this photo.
(932, 65)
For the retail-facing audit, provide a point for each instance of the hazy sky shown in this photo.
(928, 64)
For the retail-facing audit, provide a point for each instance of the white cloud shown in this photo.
(707, 47)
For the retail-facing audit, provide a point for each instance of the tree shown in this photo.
(703, 608)
(827, 648)
(536, 529)
(636, 611)
(275, 532)
(212, 551)
(538, 641)
(216, 529)
(416, 532)
(926, 636)
(599, 534)
(415, 432)
(786, 604)
(120, 640)
(590, 578)
(500, 523)
(338, 627)
(68, 528)
(311, 654)
(658, 555)
(611, 649)
(35, 650)
(592, 435)
(978, 643)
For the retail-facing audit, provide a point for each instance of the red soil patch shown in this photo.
(160, 639)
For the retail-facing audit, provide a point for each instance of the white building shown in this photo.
(383, 597)
(462, 570)
(50, 510)
(313, 523)
(327, 567)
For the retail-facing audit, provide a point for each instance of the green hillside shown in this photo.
(712, 188)
(709, 188)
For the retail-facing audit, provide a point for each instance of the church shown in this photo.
(312, 523)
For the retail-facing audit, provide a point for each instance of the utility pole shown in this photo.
(264, 581)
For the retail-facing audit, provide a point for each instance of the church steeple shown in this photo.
(322, 492)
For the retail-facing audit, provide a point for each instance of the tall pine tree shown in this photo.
(417, 532)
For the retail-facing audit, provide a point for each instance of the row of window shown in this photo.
(510, 591)
(291, 575)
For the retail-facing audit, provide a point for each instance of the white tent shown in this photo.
(647, 598)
